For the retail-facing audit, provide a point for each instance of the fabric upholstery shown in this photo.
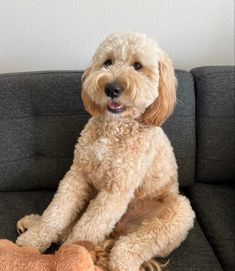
(194, 254)
(215, 205)
(41, 116)
(180, 128)
(14, 205)
(215, 88)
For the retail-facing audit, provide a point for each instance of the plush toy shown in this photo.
(74, 257)
(80, 256)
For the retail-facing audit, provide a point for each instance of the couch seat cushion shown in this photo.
(215, 207)
(15, 205)
(194, 254)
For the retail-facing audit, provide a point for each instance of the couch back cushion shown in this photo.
(215, 124)
(181, 128)
(41, 116)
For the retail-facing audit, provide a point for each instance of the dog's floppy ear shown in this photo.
(90, 106)
(157, 113)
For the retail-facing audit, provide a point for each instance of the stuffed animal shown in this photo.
(74, 257)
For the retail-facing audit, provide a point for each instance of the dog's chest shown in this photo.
(104, 153)
(93, 152)
(102, 159)
(100, 148)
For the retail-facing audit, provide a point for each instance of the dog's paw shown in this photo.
(34, 237)
(27, 222)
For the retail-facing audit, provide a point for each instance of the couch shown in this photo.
(41, 116)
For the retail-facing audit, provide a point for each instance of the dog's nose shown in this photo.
(113, 90)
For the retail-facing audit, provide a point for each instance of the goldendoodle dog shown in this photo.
(124, 169)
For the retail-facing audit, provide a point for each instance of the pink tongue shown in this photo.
(114, 105)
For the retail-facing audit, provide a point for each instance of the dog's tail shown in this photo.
(103, 250)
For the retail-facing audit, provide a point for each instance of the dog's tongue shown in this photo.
(113, 105)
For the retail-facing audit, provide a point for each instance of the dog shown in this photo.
(124, 166)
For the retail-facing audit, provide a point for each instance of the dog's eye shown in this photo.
(108, 62)
(137, 66)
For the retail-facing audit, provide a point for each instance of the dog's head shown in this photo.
(130, 77)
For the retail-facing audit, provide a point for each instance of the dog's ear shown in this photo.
(85, 74)
(157, 113)
(90, 106)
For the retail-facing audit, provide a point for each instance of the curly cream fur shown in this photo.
(124, 166)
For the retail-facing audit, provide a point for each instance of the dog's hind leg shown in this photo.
(158, 235)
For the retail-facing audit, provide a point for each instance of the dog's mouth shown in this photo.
(115, 107)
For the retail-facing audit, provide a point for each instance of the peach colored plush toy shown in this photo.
(68, 258)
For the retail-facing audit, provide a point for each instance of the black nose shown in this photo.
(113, 90)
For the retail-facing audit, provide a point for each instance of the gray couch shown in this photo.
(41, 116)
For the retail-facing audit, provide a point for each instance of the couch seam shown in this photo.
(45, 116)
(36, 157)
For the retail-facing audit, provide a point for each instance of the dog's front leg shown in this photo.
(61, 212)
(101, 216)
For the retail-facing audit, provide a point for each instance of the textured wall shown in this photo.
(63, 34)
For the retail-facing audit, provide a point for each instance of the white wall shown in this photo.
(63, 34)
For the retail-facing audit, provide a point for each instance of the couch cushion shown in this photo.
(180, 128)
(215, 124)
(41, 116)
(215, 208)
(194, 254)
(15, 205)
